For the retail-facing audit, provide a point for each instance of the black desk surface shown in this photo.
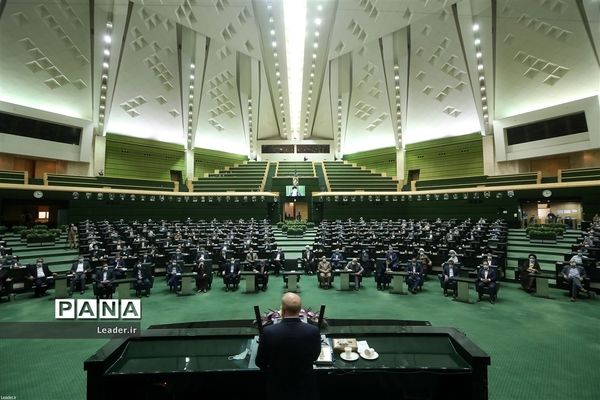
(441, 362)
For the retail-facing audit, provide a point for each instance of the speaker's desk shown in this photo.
(414, 362)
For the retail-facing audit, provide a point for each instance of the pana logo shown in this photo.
(104, 309)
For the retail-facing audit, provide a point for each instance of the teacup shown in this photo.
(369, 352)
(348, 351)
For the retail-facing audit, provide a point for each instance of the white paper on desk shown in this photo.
(240, 356)
(361, 345)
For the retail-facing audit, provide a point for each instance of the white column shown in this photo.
(99, 155)
(189, 164)
(489, 159)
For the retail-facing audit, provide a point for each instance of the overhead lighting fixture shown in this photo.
(294, 13)
(105, 65)
(317, 20)
(477, 41)
(480, 67)
(106, 52)
(107, 39)
(475, 27)
(478, 54)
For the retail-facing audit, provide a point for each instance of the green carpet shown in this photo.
(540, 349)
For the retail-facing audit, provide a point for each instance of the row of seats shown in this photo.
(110, 182)
(295, 168)
(344, 177)
(476, 181)
(16, 177)
(246, 177)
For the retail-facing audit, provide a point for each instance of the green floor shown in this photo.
(540, 349)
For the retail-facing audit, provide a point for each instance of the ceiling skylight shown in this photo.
(294, 15)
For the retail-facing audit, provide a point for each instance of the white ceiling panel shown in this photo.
(369, 124)
(220, 125)
(147, 100)
(229, 21)
(544, 56)
(440, 99)
(359, 22)
(45, 57)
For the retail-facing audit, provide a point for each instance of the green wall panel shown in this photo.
(206, 161)
(381, 160)
(130, 157)
(446, 158)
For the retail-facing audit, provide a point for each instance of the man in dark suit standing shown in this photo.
(286, 353)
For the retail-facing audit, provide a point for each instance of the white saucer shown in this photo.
(353, 356)
(374, 356)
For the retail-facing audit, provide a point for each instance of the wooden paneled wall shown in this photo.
(207, 161)
(381, 160)
(451, 157)
(130, 157)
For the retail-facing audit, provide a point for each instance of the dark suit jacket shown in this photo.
(286, 353)
(86, 266)
(306, 257)
(491, 274)
(32, 270)
(446, 270)
(110, 275)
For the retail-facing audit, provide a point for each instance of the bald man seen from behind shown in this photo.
(286, 353)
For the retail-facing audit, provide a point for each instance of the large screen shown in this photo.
(295, 191)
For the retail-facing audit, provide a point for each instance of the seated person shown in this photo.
(308, 260)
(574, 274)
(251, 258)
(486, 278)
(579, 257)
(277, 260)
(414, 280)
(173, 275)
(528, 270)
(202, 255)
(391, 259)
(204, 276)
(425, 261)
(39, 273)
(324, 272)
(142, 278)
(119, 267)
(357, 270)
(103, 280)
(449, 271)
(382, 278)
(452, 256)
(337, 259)
(231, 274)
(366, 261)
(178, 256)
(262, 275)
(78, 270)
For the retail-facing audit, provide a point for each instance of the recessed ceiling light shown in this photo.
(483, 88)
(480, 67)
(274, 43)
(106, 52)
(105, 65)
(272, 32)
(109, 24)
(107, 39)
(478, 54)
(477, 41)
(475, 27)
(317, 21)
(317, 33)
(316, 45)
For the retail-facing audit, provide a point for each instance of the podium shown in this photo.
(398, 282)
(462, 288)
(292, 280)
(188, 279)
(541, 285)
(250, 278)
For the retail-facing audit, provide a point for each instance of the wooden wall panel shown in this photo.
(452, 157)
(207, 161)
(381, 160)
(130, 157)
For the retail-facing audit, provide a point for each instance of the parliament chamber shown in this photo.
(425, 175)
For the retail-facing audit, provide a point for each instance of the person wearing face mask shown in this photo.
(103, 282)
(142, 280)
(486, 278)
(574, 274)
(39, 273)
(414, 280)
(78, 271)
(528, 270)
(449, 271)
(425, 261)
